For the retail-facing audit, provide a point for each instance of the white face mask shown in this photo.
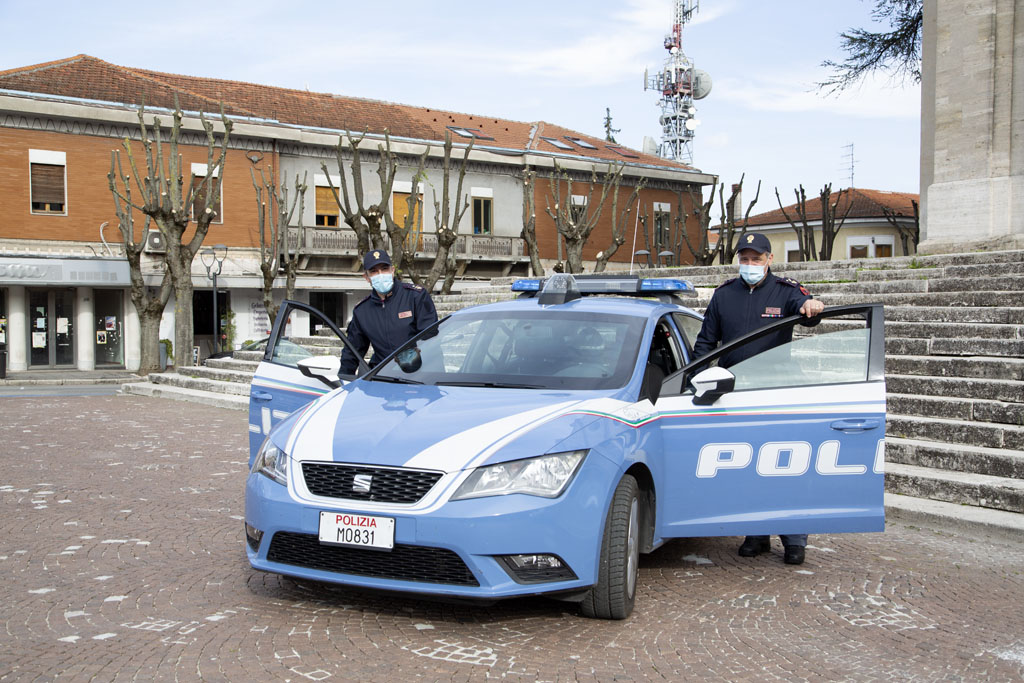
(751, 274)
(382, 282)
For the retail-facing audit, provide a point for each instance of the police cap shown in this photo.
(375, 257)
(755, 241)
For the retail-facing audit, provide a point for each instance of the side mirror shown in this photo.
(323, 368)
(710, 384)
(650, 387)
(409, 360)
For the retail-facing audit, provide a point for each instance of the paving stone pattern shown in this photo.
(122, 558)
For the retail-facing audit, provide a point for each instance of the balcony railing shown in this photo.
(334, 242)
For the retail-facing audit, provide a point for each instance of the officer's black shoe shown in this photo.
(754, 546)
(794, 554)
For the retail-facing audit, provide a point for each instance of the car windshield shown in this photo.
(535, 349)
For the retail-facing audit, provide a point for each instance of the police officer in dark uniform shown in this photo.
(393, 313)
(742, 305)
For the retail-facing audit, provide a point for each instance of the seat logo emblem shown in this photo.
(361, 483)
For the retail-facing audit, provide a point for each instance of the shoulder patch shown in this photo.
(727, 282)
(409, 285)
(790, 282)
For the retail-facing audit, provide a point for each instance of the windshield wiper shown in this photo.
(393, 380)
(491, 385)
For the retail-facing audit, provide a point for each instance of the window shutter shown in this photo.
(199, 201)
(325, 203)
(47, 184)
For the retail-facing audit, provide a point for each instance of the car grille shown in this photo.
(404, 562)
(388, 485)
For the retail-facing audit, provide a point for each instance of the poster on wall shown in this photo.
(3, 330)
(101, 336)
(62, 325)
(38, 340)
(110, 322)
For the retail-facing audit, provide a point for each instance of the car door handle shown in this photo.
(858, 425)
(261, 395)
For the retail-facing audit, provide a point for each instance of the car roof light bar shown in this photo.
(628, 285)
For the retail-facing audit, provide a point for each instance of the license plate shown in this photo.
(364, 531)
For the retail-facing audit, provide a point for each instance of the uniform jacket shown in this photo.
(736, 310)
(387, 323)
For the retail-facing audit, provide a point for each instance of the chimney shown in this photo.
(734, 211)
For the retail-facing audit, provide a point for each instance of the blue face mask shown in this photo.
(751, 274)
(382, 282)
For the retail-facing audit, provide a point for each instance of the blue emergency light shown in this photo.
(562, 287)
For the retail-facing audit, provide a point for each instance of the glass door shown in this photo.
(109, 327)
(51, 327)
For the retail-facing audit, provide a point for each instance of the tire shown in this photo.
(614, 594)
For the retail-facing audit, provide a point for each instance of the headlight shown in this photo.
(272, 462)
(545, 476)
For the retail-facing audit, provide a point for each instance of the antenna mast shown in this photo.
(849, 156)
(679, 84)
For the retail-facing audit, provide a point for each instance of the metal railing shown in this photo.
(335, 242)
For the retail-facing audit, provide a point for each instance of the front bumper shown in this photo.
(452, 550)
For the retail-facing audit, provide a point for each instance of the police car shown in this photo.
(541, 445)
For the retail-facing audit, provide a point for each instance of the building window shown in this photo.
(555, 142)
(327, 210)
(48, 191)
(578, 208)
(482, 215)
(869, 246)
(662, 224)
(792, 248)
(199, 194)
(580, 141)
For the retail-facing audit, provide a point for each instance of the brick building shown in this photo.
(63, 277)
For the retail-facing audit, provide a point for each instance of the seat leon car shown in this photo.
(542, 445)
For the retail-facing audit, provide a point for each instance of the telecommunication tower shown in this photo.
(679, 84)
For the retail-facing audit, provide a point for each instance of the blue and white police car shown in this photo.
(541, 445)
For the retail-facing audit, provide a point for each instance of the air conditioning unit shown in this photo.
(155, 243)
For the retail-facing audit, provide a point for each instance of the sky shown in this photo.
(561, 61)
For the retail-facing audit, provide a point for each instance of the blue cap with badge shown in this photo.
(755, 241)
(375, 257)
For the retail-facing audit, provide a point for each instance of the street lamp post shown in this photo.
(213, 259)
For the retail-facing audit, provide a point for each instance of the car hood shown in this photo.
(436, 428)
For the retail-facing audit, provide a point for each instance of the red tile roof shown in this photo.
(866, 204)
(86, 77)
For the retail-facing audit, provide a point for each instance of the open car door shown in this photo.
(300, 365)
(788, 441)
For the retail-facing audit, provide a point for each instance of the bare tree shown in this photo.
(703, 253)
(830, 222)
(364, 218)
(909, 234)
(897, 51)
(273, 218)
(732, 229)
(620, 220)
(529, 232)
(149, 302)
(446, 220)
(166, 200)
(575, 221)
(405, 237)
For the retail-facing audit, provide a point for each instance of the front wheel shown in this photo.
(613, 595)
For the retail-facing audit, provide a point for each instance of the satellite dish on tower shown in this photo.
(701, 84)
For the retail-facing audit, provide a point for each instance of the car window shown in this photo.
(664, 350)
(535, 348)
(830, 356)
(306, 334)
(690, 326)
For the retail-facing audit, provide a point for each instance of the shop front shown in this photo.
(64, 313)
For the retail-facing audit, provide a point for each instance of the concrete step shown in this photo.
(235, 364)
(217, 374)
(994, 462)
(250, 356)
(966, 298)
(995, 368)
(956, 408)
(961, 328)
(959, 314)
(965, 388)
(979, 490)
(954, 347)
(969, 521)
(209, 398)
(958, 432)
(199, 383)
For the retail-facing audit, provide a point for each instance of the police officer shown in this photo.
(742, 305)
(393, 313)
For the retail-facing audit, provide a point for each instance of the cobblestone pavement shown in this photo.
(122, 558)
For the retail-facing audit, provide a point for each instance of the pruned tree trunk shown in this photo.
(804, 231)
(908, 234)
(405, 237)
(732, 230)
(702, 251)
(620, 221)
(575, 222)
(164, 198)
(831, 222)
(273, 221)
(363, 218)
(529, 232)
(446, 221)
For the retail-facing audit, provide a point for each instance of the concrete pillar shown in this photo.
(17, 329)
(85, 324)
(132, 337)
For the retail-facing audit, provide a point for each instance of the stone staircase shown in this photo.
(954, 372)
